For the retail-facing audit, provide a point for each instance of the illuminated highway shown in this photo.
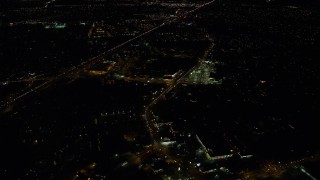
(74, 71)
(152, 126)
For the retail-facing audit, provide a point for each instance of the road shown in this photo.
(73, 72)
(151, 124)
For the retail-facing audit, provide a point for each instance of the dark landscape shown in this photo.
(159, 89)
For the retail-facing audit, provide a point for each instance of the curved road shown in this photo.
(152, 126)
